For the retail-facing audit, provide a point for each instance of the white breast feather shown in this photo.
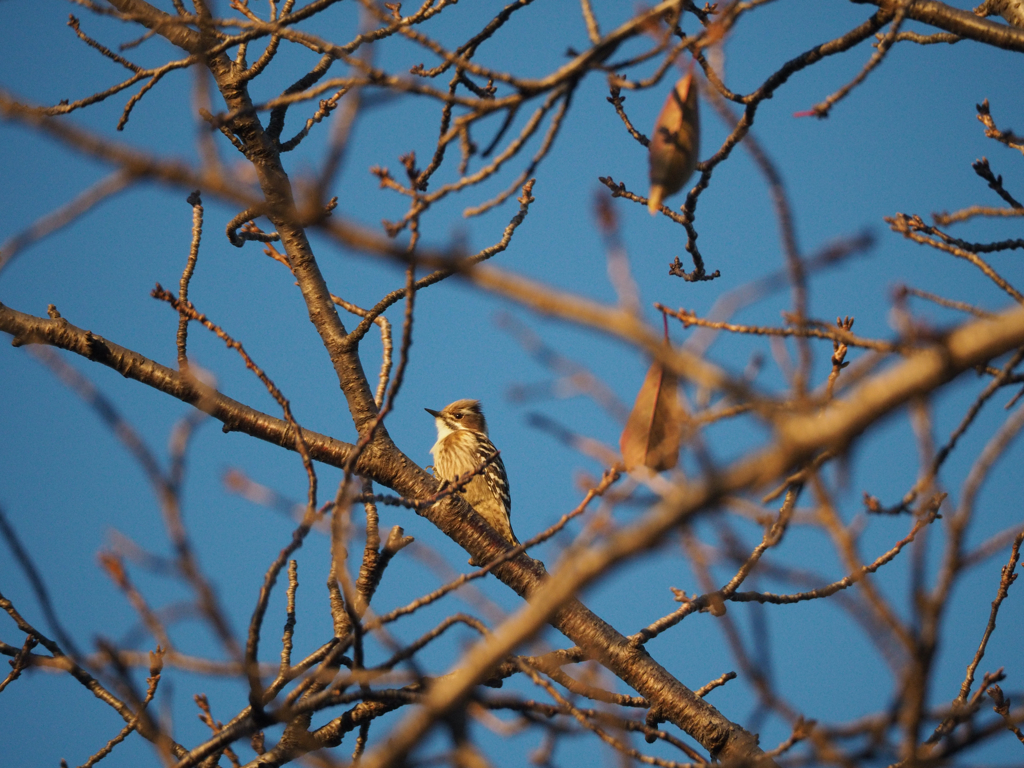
(443, 430)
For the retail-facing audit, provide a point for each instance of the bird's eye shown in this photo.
(458, 415)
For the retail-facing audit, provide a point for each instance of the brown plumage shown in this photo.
(462, 446)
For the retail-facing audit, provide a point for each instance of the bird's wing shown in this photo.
(494, 474)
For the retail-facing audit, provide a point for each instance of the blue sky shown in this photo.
(903, 141)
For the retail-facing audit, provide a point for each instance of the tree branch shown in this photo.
(959, 22)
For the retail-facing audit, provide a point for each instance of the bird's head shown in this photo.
(462, 414)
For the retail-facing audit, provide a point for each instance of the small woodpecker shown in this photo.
(462, 446)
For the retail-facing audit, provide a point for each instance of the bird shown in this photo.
(462, 447)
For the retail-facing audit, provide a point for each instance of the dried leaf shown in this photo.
(112, 564)
(675, 142)
(654, 428)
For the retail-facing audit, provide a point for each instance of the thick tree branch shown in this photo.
(236, 417)
(959, 22)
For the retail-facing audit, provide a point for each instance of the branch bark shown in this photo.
(959, 22)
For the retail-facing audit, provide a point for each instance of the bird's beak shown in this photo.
(433, 413)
